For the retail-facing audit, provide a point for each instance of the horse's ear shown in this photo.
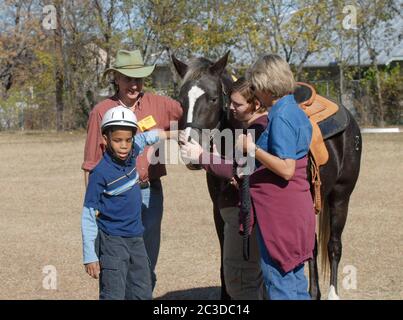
(180, 67)
(219, 66)
(226, 82)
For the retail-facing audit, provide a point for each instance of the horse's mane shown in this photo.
(196, 67)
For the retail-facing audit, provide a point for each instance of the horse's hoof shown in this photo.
(315, 295)
(332, 294)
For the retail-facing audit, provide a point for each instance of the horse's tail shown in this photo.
(324, 235)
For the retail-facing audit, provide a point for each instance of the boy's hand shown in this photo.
(93, 269)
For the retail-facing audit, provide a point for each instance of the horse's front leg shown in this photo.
(314, 289)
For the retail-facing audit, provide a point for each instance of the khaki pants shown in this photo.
(243, 279)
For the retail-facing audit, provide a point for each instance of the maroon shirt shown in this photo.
(163, 110)
(285, 214)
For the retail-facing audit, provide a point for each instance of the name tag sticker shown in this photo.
(146, 123)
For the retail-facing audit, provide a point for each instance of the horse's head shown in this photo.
(202, 97)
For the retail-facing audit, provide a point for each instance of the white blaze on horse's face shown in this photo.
(194, 93)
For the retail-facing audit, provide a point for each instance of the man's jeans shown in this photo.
(282, 286)
(151, 212)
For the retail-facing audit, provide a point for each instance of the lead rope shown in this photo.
(244, 211)
(245, 207)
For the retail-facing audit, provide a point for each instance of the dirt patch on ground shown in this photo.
(42, 192)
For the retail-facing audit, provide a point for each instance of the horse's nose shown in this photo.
(193, 133)
(191, 166)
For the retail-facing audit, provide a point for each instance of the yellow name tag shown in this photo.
(146, 123)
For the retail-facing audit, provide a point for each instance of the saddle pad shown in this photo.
(306, 96)
(334, 124)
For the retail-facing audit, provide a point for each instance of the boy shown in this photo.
(113, 247)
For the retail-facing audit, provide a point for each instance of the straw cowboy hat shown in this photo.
(130, 63)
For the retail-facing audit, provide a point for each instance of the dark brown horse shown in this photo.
(205, 104)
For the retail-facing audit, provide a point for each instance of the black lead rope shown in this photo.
(245, 208)
(244, 211)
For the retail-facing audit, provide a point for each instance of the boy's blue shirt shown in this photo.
(289, 131)
(113, 191)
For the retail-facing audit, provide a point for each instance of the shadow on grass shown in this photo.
(207, 293)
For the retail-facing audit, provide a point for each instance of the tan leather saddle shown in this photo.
(317, 108)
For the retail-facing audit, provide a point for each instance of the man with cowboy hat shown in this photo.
(152, 111)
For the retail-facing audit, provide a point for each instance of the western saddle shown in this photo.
(317, 108)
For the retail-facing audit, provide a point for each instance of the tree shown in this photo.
(106, 17)
(59, 63)
(18, 40)
(85, 61)
(153, 26)
(294, 29)
(343, 34)
(375, 27)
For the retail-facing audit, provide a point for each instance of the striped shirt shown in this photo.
(114, 192)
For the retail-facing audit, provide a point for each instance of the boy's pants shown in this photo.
(243, 279)
(125, 268)
(282, 286)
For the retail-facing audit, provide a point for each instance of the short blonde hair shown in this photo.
(271, 73)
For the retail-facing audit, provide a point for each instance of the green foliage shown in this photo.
(392, 91)
(93, 31)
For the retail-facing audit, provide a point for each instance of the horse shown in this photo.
(203, 97)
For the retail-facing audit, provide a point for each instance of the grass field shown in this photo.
(41, 195)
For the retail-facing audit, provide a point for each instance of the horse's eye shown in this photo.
(213, 99)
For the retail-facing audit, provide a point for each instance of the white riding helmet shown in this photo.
(119, 116)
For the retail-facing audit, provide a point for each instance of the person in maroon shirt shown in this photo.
(152, 112)
(244, 280)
